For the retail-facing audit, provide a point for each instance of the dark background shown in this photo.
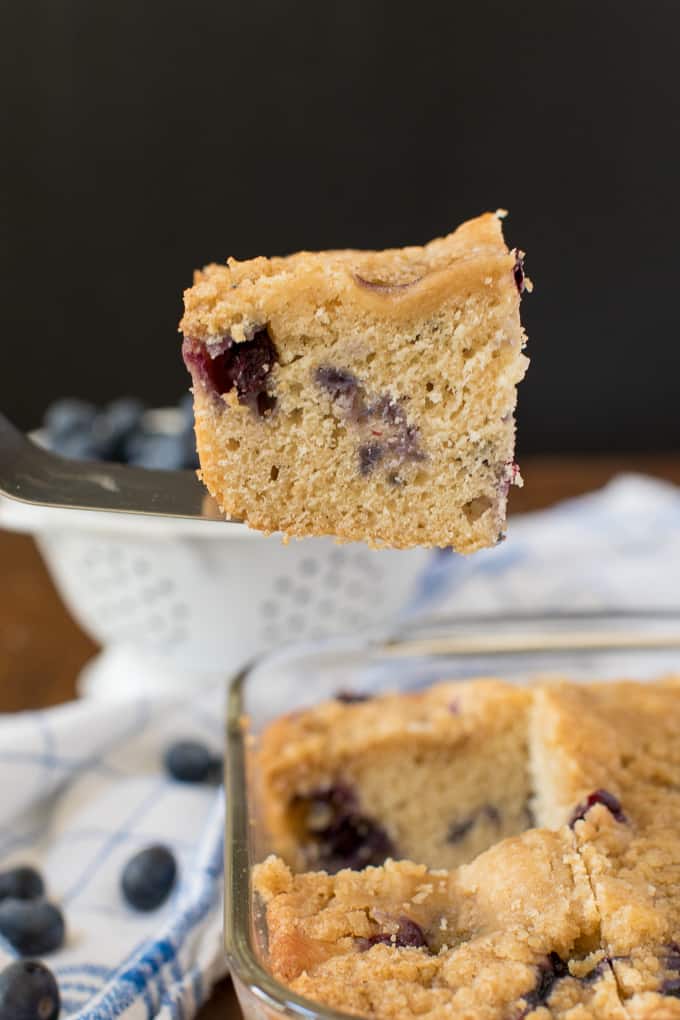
(144, 139)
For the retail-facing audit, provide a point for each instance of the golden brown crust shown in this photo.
(452, 712)
(407, 281)
(621, 736)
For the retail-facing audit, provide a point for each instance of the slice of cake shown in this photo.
(435, 776)
(635, 876)
(512, 935)
(620, 739)
(606, 758)
(366, 395)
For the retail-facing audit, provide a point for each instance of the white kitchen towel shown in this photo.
(82, 786)
(618, 547)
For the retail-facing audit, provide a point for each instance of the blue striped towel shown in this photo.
(83, 786)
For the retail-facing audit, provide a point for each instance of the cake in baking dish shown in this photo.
(576, 917)
(606, 759)
(513, 934)
(367, 395)
(345, 785)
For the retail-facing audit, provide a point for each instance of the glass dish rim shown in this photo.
(243, 961)
(408, 637)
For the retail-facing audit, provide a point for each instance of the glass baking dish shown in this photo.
(583, 646)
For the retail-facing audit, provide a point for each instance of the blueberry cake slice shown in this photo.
(620, 738)
(435, 776)
(635, 876)
(366, 395)
(606, 758)
(512, 935)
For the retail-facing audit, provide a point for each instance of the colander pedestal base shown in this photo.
(122, 671)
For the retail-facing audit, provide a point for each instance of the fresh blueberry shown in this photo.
(148, 877)
(190, 761)
(604, 797)
(69, 415)
(33, 927)
(75, 446)
(124, 414)
(22, 883)
(114, 426)
(160, 451)
(76, 430)
(409, 935)
(28, 991)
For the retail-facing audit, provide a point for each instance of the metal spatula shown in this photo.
(34, 475)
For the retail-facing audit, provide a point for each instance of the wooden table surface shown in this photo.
(42, 649)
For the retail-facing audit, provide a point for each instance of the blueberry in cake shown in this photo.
(347, 785)
(367, 395)
(513, 934)
(576, 917)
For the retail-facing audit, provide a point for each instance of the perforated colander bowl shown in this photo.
(174, 602)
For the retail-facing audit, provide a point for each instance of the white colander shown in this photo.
(179, 602)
